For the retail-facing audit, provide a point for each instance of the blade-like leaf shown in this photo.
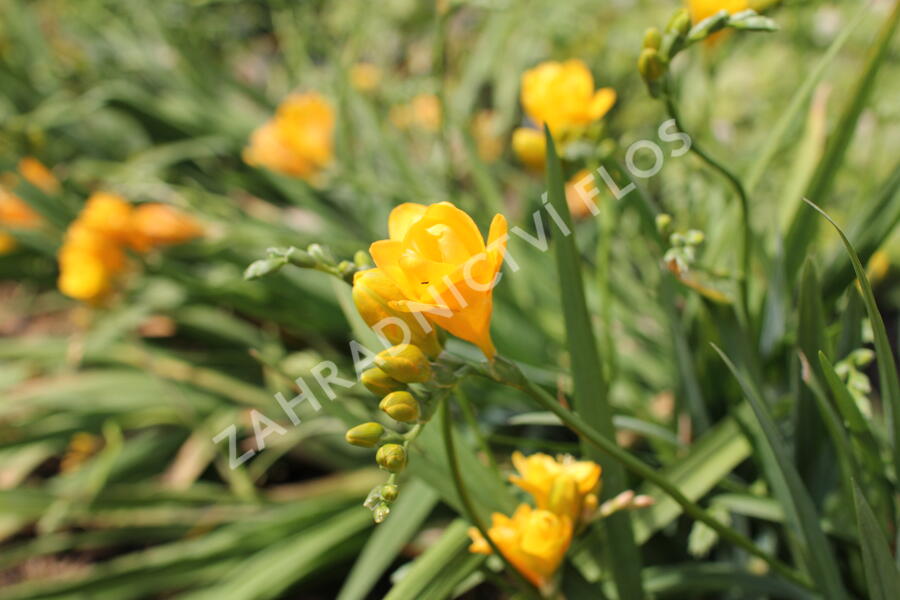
(587, 373)
(882, 576)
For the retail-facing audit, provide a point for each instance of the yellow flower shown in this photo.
(373, 291)
(365, 77)
(14, 213)
(534, 541)
(438, 260)
(564, 485)
(562, 95)
(38, 175)
(154, 224)
(88, 263)
(423, 111)
(701, 9)
(298, 141)
(580, 196)
(530, 146)
(108, 215)
(487, 140)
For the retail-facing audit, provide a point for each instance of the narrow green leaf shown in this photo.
(887, 364)
(412, 507)
(803, 227)
(882, 576)
(424, 569)
(815, 553)
(587, 373)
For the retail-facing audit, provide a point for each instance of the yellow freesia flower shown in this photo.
(565, 486)
(298, 141)
(701, 9)
(38, 175)
(438, 260)
(562, 95)
(155, 224)
(533, 540)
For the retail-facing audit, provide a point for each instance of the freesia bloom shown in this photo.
(562, 95)
(298, 141)
(155, 224)
(565, 486)
(438, 260)
(38, 175)
(534, 541)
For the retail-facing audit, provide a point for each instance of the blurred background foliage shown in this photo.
(110, 483)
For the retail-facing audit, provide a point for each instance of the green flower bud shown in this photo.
(404, 362)
(663, 222)
(680, 23)
(391, 457)
(321, 254)
(381, 512)
(366, 435)
(650, 65)
(380, 383)
(401, 406)
(389, 492)
(695, 237)
(652, 38)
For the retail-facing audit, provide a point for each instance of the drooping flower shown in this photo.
(533, 540)
(438, 260)
(562, 96)
(298, 141)
(564, 485)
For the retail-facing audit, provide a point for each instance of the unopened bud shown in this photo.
(401, 406)
(663, 222)
(381, 512)
(389, 492)
(361, 258)
(404, 362)
(643, 501)
(694, 237)
(680, 23)
(321, 254)
(652, 38)
(862, 357)
(391, 457)
(366, 435)
(650, 65)
(380, 383)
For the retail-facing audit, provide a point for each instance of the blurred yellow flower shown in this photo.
(565, 486)
(298, 141)
(701, 9)
(154, 224)
(365, 77)
(93, 251)
(7, 243)
(581, 197)
(487, 140)
(38, 175)
(562, 95)
(533, 540)
(423, 111)
(438, 260)
(14, 213)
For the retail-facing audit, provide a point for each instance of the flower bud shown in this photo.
(663, 222)
(366, 435)
(680, 23)
(372, 293)
(380, 383)
(862, 357)
(321, 254)
(652, 38)
(694, 237)
(404, 362)
(389, 492)
(650, 65)
(391, 457)
(401, 406)
(381, 512)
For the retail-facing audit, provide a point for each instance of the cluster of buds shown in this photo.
(395, 370)
(683, 246)
(660, 48)
(851, 370)
(316, 256)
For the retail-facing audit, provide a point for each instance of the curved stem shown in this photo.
(466, 500)
(514, 378)
(743, 200)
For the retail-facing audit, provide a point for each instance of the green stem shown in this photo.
(743, 200)
(512, 377)
(469, 415)
(466, 500)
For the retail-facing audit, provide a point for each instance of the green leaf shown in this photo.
(887, 365)
(412, 507)
(815, 553)
(803, 227)
(591, 401)
(882, 576)
(429, 565)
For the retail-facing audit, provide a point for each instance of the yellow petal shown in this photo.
(600, 104)
(402, 218)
